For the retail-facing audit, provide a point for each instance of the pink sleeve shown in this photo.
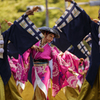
(56, 49)
(26, 56)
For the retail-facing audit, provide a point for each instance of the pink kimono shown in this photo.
(20, 67)
(61, 76)
(13, 65)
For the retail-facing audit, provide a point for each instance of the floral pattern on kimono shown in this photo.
(61, 76)
(12, 63)
(20, 66)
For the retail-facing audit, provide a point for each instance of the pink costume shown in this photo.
(72, 60)
(83, 68)
(13, 65)
(61, 76)
(20, 67)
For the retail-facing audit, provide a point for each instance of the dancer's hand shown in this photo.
(41, 49)
(85, 71)
(61, 54)
(31, 12)
(81, 60)
(71, 71)
(35, 47)
(75, 74)
(96, 20)
(9, 23)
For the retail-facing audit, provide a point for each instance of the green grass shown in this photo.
(13, 9)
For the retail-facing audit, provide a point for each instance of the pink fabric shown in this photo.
(12, 64)
(71, 60)
(60, 68)
(42, 55)
(15, 61)
(43, 73)
(23, 66)
(20, 66)
(80, 70)
(61, 76)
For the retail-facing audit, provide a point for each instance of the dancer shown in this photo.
(19, 36)
(83, 25)
(42, 52)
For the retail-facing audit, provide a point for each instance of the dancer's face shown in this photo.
(49, 37)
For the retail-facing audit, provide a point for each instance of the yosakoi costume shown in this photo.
(22, 32)
(23, 67)
(72, 93)
(64, 44)
(76, 24)
(61, 76)
(19, 68)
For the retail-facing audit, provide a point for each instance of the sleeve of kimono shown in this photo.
(26, 56)
(95, 54)
(62, 43)
(61, 75)
(71, 59)
(56, 49)
(23, 34)
(74, 23)
(13, 65)
(11, 51)
(77, 52)
(73, 26)
(88, 39)
(5, 71)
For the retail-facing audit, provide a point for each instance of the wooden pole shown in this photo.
(47, 15)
